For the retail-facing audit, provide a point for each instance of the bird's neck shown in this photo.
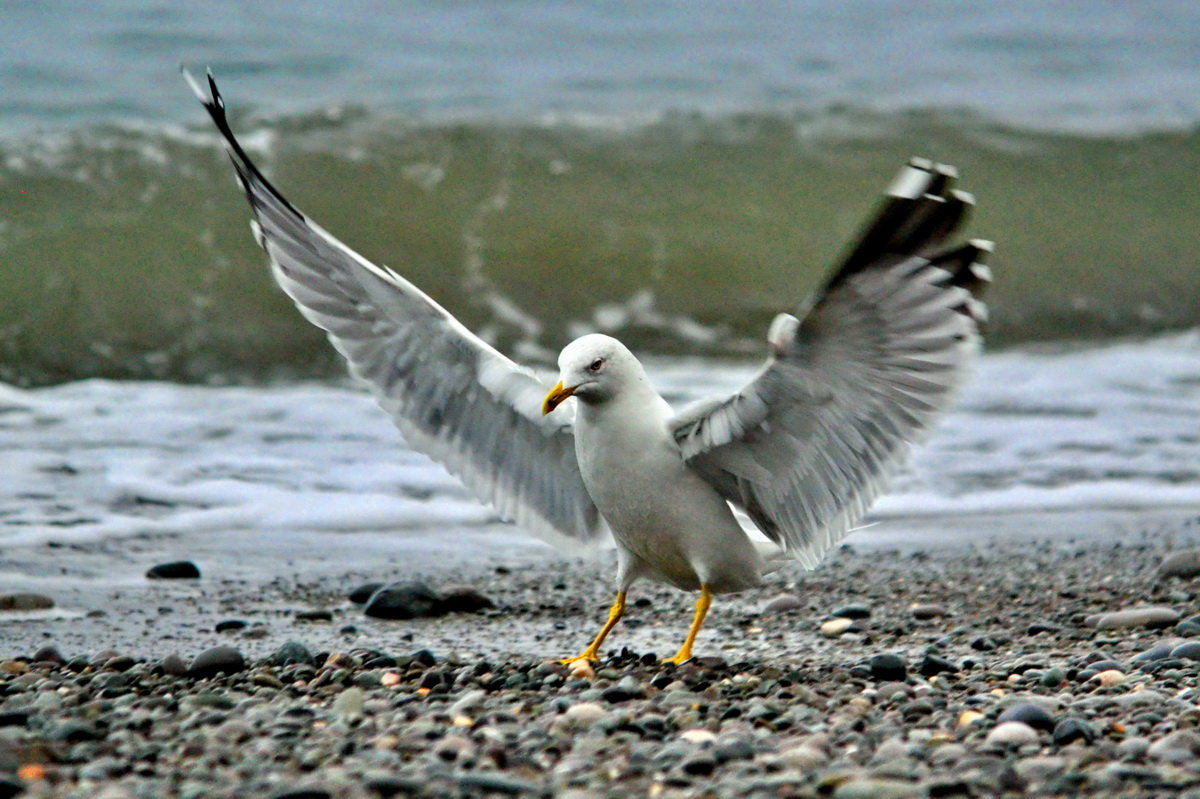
(640, 408)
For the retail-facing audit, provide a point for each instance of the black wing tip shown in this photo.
(921, 209)
(249, 176)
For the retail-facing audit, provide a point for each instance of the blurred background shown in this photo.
(671, 172)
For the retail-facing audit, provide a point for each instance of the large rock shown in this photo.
(23, 600)
(175, 570)
(413, 600)
(1153, 617)
(1185, 563)
(212, 662)
(417, 600)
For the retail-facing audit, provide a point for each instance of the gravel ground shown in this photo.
(1005, 667)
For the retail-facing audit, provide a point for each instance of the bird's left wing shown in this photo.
(805, 447)
(453, 397)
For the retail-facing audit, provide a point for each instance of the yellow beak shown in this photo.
(555, 397)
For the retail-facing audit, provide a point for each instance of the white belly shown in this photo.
(671, 524)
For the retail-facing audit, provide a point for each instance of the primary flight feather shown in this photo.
(803, 449)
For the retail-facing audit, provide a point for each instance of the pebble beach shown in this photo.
(1022, 666)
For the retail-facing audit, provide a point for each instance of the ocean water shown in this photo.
(673, 173)
(1087, 442)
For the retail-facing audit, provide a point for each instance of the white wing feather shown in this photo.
(453, 397)
(808, 444)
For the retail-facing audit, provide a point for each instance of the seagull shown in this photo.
(802, 449)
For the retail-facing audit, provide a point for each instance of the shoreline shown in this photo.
(902, 696)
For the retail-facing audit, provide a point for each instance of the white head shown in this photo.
(593, 368)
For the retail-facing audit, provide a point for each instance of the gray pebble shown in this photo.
(1012, 734)
(411, 600)
(782, 604)
(1157, 652)
(929, 610)
(1188, 650)
(887, 666)
(175, 570)
(1185, 563)
(1149, 617)
(23, 600)
(219, 659)
(1071, 729)
(1028, 713)
(1181, 746)
(852, 612)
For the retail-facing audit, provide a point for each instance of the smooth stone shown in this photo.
(291, 653)
(1109, 677)
(230, 625)
(468, 702)
(697, 735)
(349, 704)
(852, 612)
(102, 768)
(315, 615)
(1188, 650)
(969, 718)
(932, 664)
(72, 732)
(928, 610)
(212, 662)
(173, 665)
(733, 748)
(49, 654)
(1040, 768)
(1072, 729)
(585, 714)
(303, 792)
(24, 600)
(887, 667)
(411, 600)
(360, 595)
(14, 718)
(483, 782)
(175, 570)
(1181, 746)
(1149, 617)
(782, 604)
(1185, 563)
(1134, 748)
(835, 627)
(1189, 627)
(1011, 733)
(699, 764)
(803, 757)
(627, 688)
(877, 789)
(1158, 652)
(1028, 713)
(464, 599)
(1052, 677)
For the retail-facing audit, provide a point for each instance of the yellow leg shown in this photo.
(702, 605)
(614, 615)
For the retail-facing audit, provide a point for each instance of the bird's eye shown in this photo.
(596, 365)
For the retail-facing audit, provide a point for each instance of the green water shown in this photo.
(126, 253)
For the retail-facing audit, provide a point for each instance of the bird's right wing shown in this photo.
(807, 445)
(453, 397)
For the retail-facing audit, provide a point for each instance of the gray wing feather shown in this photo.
(808, 444)
(452, 396)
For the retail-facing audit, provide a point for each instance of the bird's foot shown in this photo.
(683, 656)
(588, 656)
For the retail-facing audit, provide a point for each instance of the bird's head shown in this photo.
(593, 368)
